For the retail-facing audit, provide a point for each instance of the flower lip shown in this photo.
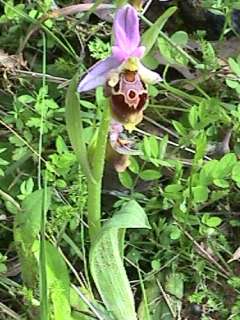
(131, 94)
(129, 76)
(128, 99)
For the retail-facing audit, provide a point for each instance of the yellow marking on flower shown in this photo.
(133, 120)
(137, 4)
(132, 64)
(130, 126)
(113, 79)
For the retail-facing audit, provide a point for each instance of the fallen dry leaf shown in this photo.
(236, 255)
(11, 62)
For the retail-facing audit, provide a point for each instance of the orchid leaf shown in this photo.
(58, 283)
(150, 36)
(75, 127)
(106, 261)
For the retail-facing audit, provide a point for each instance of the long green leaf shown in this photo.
(150, 36)
(106, 261)
(75, 127)
(58, 283)
(26, 230)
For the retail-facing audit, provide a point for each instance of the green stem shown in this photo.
(95, 188)
(43, 283)
(94, 209)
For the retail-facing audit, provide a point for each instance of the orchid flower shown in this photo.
(120, 142)
(120, 147)
(122, 74)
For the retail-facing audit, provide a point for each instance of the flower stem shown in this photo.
(97, 164)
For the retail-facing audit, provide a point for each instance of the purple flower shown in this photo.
(126, 46)
(120, 147)
(120, 142)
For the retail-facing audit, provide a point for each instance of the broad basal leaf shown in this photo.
(106, 261)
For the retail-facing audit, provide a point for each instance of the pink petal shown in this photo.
(148, 76)
(97, 74)
(138, 52)
(126, 29)
(115, 130)
(119, 54)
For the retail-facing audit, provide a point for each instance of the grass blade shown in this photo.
(150, 36)
(26, 230)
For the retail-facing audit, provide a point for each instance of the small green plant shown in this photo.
(3, 163)
(3, 267)
(99, 49)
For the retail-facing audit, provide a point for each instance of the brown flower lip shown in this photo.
(128, 97)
